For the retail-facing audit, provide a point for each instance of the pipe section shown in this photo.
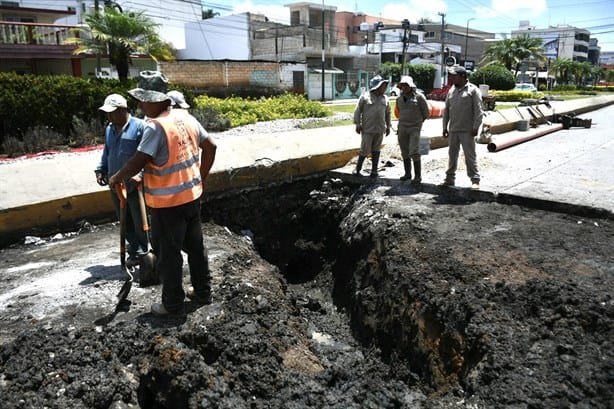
(514, 138)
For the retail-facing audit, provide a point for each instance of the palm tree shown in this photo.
(512, 52)
(209, 13)
(563, 70)
(120, 35)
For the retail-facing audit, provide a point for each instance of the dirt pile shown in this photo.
(329, 295)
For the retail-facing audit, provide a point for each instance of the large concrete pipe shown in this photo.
(506, 140)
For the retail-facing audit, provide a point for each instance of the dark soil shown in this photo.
(331, 295)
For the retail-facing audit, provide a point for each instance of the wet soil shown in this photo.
(327, 294)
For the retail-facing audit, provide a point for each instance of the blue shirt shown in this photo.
(120, 146)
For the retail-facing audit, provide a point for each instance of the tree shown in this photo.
(119, 35)
(511, 52)
(563, 70)
(209, 13)
(496, 76)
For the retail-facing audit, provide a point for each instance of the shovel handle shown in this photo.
(120, 189)
(144, 221)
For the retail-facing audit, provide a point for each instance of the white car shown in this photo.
(395, 91)
(525, 87)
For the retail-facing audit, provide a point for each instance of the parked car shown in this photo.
(395, 91)
(525, 87)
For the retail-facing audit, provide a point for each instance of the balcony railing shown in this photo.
(34, 33)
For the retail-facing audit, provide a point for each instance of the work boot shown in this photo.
(356, 171)
(418, 171)
(374, 164)
(447, 182)
(159, 310)
(407, 166)
(203, 299)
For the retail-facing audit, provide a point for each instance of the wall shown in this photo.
(220, 38)
(211, 74)
(169, 14)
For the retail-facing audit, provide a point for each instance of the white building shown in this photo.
(171, 15)
(561, 41)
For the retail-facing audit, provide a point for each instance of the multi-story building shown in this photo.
(330, 54)
(33, 32)
(561, 41)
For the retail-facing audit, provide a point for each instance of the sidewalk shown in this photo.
(58, 190)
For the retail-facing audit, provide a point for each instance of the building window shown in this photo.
(429, 34)
(295, 18)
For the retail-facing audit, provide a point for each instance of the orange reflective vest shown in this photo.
(177, 181)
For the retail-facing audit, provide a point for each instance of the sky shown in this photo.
(494, 16)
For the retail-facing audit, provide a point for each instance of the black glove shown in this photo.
(101, 178)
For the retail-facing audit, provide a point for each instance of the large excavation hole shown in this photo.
(298, 227)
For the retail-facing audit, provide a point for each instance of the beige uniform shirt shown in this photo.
(463, 110)
(372, 113)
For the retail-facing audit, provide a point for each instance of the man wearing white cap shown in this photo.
(121, 138)
(178, 100)
(372, 120)
(413, 111)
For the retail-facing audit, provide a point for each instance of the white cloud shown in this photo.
(526, 8)
(275, 13)
(415, 10)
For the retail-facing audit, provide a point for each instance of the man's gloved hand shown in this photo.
(101, 179)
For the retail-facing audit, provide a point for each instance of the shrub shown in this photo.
(210, 119)
(239, 111)
(496, 76)
(515, 96)
(422, 74)
(41, 138)
(86, 133)
(51, 101)
(13, 147)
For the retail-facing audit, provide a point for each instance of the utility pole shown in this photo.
(406, 39)
(323, 46)
(443, 72)
(467, 40)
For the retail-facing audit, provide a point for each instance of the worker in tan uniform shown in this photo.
(372, 120)
(412, 110)
(462, 118)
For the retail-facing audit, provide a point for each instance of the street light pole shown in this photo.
(467, 38)
(443, 71)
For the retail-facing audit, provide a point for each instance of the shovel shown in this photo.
(123, 293)
(147, 268)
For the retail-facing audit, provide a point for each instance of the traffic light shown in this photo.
(405, 24)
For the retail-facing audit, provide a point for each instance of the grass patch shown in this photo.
(347, 108)
(324, 124)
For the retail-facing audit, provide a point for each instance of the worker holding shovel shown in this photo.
(121, 138)
(176, 155)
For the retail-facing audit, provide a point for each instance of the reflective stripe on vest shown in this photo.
(177, 181)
